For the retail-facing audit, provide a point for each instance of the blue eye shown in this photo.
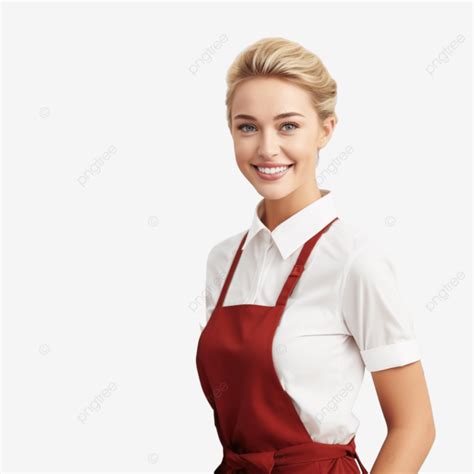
(241, 127)
(244, 125)
(291, 123)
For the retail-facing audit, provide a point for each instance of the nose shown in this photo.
(268, 146)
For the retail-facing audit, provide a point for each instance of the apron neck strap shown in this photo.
(298, 268)
(231, 271)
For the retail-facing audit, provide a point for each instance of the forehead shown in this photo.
(269, 96)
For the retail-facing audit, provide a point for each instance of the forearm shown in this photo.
(404, 450)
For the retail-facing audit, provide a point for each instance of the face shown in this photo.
(276, 128)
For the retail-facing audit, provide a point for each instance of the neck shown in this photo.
(275, 211)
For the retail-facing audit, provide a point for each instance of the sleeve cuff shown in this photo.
(391, 355)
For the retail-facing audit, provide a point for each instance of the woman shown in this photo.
(307, 304)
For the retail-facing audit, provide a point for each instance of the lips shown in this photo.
(272, 176)
(271, 165)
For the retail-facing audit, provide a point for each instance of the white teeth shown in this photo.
(274, 170)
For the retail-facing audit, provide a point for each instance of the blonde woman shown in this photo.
(307, 304)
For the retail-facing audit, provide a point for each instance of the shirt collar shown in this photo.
(293, 232)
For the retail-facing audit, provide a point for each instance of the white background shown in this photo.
(103, 282)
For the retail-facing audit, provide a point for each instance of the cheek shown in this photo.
(302, 147)
(243, 149)
(243, 164)
(299, 147)
(304, 160)
(244, 157)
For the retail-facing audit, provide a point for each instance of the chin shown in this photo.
(273, 194)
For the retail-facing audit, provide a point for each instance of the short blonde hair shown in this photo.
(284, 59)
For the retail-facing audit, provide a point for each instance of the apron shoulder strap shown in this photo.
(298, 268)
(231, 271)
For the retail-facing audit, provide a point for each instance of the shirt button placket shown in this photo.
(267, 238)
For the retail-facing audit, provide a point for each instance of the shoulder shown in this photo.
(368, 271)
(361, 258)
(368, 259)
(353, 247)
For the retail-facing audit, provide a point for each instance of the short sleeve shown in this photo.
(375, 312)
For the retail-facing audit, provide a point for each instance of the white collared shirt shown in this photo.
(344, 315)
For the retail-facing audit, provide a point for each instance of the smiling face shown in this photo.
(277, 135)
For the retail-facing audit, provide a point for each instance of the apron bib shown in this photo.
(256, 421)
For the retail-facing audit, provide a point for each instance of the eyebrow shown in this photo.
(277, 117)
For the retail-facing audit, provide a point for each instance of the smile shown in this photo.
(272, 173)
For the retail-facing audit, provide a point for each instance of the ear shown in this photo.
(327, 130)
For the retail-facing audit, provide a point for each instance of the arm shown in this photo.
(405, 403)
(382, 326)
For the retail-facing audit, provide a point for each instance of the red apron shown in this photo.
(257, 423)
